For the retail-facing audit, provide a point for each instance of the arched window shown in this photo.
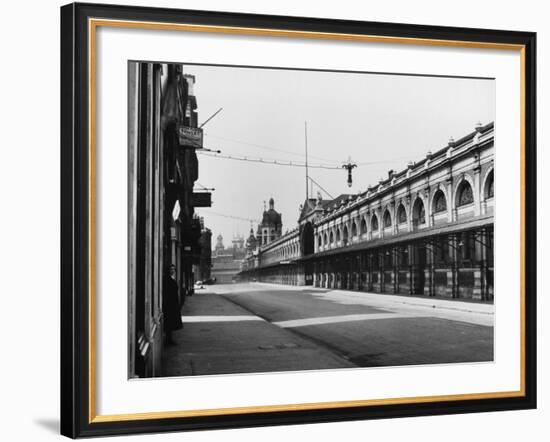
(345, 238)
(401, 214)
(374, 223)
(490, 186)
(419, 214)
(464, 195)
(363, 226)
(331, 237)
(353, 229)
(440, 202)
(338, 235)
(325, 239)
(387, 219)
(320, 241)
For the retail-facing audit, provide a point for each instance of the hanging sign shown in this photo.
(190, 137)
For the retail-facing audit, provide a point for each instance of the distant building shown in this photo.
(271, 226)
(226, 262)
(203, 260)
(251, 242)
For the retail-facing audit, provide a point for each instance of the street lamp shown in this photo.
(349, 167)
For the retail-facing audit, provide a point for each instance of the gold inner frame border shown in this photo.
(93, 24)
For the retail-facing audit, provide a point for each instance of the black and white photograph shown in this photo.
(287, 220)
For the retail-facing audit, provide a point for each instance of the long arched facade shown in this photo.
(427, 230)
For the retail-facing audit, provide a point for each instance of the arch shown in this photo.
(363, 226)
(439, 202)
(374, 223)
(325, 238)
(353, 229)
(320, 241)
(387, 219)
(489, 185)
(418, 212)
(338, 234)
(345, 235)
(401, 214)
(464, 194)
(332, 236)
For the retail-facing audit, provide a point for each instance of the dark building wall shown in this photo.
(203, 264)
(161, 174)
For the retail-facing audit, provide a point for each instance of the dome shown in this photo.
(271, 218)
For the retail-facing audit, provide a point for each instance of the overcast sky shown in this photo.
(385, 120)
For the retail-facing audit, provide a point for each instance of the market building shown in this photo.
(426, 230)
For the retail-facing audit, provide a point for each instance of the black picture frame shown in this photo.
(76, 420)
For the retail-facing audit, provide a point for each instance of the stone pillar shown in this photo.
(382, 273)
(452, 273)
(477, 191)
(395, 270)
(429, 273)
(360, 272)
(485, 264)
(478, 284)
(451, 211)
(428, 207)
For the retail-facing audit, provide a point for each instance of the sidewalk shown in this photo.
(220, 337)
(386, 299)
(451, 309)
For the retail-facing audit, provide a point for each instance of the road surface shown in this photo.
(245, 328)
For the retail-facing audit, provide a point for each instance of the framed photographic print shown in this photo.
(274, 220)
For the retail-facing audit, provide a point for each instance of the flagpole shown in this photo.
(307, 176)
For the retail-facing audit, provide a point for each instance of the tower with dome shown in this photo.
(271, 226)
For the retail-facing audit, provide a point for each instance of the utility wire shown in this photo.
(321, 187)
(261, 146)
(277, 162)
(212, 116)
(210, 212)
(270, 161)
(393, 160)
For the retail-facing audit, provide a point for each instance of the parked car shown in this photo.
(198, 285)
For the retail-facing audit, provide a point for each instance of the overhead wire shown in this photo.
(269, 161)
(274, 149)
(240, 218)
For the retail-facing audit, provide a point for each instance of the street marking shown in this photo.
(191, 319)
(343, 318)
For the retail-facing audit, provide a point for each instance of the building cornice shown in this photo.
(444, 157)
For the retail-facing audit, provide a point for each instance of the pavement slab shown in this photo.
(222, 343)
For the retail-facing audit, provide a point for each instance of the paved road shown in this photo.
(242, 328)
